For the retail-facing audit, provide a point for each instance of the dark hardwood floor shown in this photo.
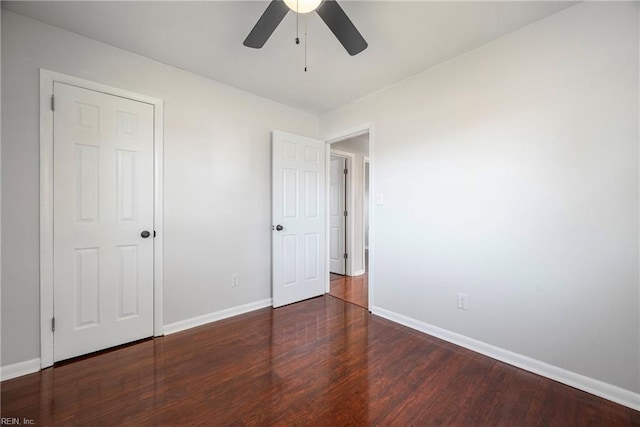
(351, 289)
(320, 362)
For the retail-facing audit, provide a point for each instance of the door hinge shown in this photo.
(346, 256)
(346, 171)
(345, 213)
(53, 103)
(53, 324)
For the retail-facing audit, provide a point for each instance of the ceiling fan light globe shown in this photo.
(303, 6)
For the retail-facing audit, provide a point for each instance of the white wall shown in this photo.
(511, 173)
(217, 176)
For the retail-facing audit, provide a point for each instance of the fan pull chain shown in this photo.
(297, 22)
(305, 44)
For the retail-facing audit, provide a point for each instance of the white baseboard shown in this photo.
(19, 369)
(358, 273)
(182, 325)
(599, 388)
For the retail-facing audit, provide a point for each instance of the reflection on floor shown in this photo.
(351, 289)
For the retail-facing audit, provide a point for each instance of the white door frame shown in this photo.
(47, 78)
(349, 206)
(365, 162)
(338, 137)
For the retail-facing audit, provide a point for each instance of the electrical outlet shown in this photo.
(463, 301)
(235, 280)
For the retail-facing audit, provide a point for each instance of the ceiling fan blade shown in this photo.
(267, 24)
(342, 27)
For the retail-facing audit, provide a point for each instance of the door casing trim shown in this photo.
(47, 79)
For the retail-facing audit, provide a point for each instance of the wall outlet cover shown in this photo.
(463, 301)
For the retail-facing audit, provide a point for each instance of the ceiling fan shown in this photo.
(330, 12)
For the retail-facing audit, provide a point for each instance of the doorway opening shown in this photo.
(351, 229)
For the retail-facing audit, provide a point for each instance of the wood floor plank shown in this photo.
(432, 385)
(482, 399)
(514, 406)
(460, 389)
(551, 406)
(319, 362)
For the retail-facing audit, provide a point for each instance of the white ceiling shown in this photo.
(206, 38)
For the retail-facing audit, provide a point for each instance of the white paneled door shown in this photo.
(102, 211)
(337, 218)
(298, 198)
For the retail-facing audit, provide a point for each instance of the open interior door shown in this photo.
(298, 199)
(337, 215)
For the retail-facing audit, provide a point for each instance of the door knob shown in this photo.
(279, 227)
(145, 234)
